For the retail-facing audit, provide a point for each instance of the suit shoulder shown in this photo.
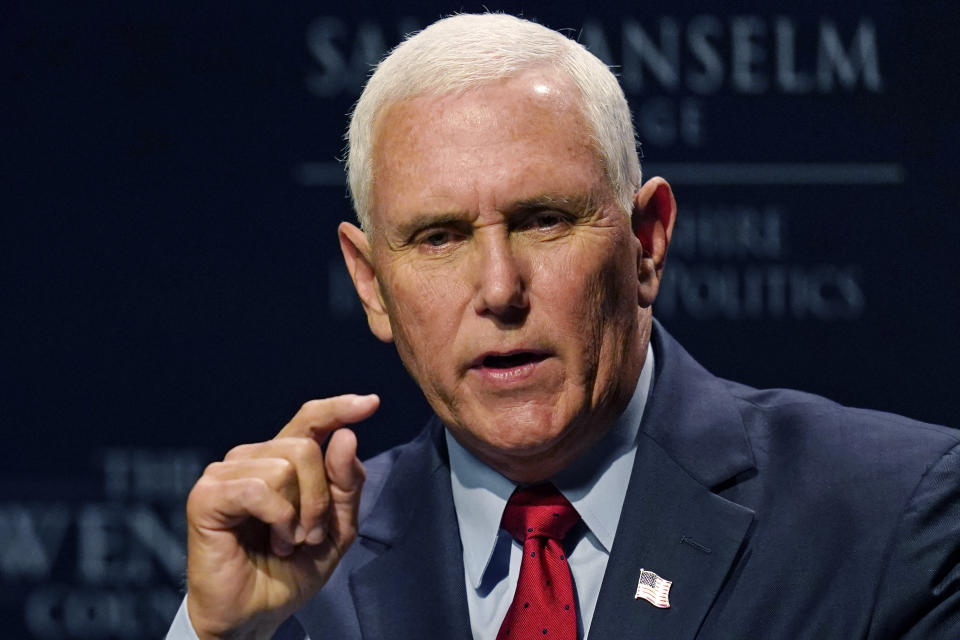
(800, 439)
(790, 411)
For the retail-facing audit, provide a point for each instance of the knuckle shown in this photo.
(239, 451)
(213, 470)
(204, 485)
(314, 406)
(252, 489)
(306, 450)
(201, 494)
(302, 451)
(285, 472)
(283, 514)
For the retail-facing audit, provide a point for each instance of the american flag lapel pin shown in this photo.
(653, 589)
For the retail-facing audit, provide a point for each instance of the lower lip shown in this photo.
(509, 375)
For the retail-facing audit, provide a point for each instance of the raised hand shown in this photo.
(267, 526)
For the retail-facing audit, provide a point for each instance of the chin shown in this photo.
(519, 437)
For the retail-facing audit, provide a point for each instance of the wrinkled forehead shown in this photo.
(499, 129)
(540, 107)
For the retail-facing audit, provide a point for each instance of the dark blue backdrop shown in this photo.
(171, 281)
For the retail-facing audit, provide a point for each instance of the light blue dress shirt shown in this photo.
(595, 485)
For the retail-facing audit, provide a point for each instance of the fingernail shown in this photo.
(299, 534)
(316, 535)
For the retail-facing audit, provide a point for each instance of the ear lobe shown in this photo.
(654, 214)
(356, 254)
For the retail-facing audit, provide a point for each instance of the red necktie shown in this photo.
(543, 606)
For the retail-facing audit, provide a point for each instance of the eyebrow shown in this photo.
(579, 203)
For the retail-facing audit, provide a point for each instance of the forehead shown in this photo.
(525, 133)
(538, 96)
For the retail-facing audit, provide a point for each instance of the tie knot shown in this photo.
(539, 511)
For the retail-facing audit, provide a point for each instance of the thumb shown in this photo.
(345, 476)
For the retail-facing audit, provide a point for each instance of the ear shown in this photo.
(356, 254)
(654, 213)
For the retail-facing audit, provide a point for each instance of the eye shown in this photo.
(547, 220)
(543, 221)
(437, 238)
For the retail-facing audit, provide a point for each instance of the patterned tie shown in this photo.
(543, 607)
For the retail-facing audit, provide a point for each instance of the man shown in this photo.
(509, 250)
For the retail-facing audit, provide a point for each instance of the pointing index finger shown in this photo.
(317, 418)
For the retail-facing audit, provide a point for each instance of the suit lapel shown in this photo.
(673, 526)
(692, 439)
(415, 587)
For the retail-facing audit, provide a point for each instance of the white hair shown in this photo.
(468, 50)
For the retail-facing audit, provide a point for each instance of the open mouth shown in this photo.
(512, 360)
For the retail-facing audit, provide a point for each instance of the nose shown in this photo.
(501, 287)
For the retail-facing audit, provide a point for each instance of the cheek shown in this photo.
(619, 293)
(589, 291)
(574, 291)
(425, 311)
(584, 278)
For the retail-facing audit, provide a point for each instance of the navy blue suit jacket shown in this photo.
(776, 514)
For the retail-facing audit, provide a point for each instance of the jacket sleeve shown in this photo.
(919, 595)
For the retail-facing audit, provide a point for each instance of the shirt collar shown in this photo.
(596, 485)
